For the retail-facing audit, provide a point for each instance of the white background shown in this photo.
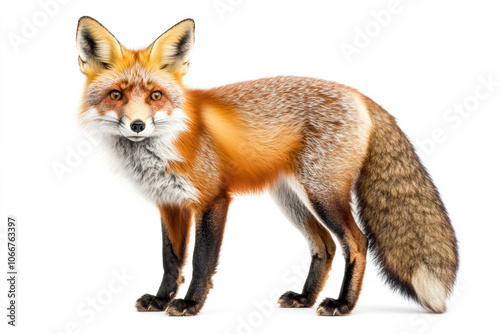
(79, 229)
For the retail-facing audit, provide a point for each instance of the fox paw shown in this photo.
(292, 299)
(182, 307)
(331, 306)
(150, 303)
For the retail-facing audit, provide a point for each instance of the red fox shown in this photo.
(311, 142)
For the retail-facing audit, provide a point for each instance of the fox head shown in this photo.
(134, 94)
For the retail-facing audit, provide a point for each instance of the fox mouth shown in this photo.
(136, 138)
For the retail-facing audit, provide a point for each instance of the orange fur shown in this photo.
(177, 222)
(251, 159)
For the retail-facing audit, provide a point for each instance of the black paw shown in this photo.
(182, 307)
(150, 303)
(292, 299)
(331, 306)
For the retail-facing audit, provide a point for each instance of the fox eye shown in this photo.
(155, 96)
(115, 95)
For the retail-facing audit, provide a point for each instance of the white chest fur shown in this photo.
(145, 164)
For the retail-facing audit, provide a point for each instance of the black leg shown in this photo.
(210, 224)
(175, 231)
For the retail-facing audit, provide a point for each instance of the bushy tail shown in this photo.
(404, 218)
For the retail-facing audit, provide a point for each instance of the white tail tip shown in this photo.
(431, 292)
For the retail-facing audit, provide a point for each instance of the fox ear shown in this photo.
(97, 48)
(171, 50)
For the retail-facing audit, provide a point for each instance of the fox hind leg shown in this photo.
(320, 243)
(335, 213)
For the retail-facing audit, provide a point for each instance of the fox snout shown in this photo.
(136, 129)
(136, 121)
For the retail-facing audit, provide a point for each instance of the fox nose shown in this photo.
(137, 126)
